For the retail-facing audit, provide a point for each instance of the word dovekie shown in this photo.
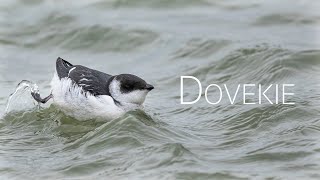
(279, 98)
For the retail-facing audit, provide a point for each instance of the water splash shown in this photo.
(21, 98)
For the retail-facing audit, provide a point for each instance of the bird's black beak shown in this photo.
(149, 87)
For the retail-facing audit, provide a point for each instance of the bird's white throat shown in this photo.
(135, 97)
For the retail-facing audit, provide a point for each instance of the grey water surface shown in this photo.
(222, 42)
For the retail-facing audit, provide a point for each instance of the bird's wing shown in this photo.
(90, 80)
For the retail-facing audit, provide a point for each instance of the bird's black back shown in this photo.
(93, 81)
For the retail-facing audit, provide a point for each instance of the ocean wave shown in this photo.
(137, 134)
(158, 4)
(199, 48)
(262, 64)
(95, 38)
(285, 19)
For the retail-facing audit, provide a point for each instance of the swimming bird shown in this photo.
(86, 93)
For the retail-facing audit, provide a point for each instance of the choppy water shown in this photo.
(222, 42)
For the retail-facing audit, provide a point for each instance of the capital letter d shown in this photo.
(181, 89)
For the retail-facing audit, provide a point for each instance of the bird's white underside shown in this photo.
(82, 105)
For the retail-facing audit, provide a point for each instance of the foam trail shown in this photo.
(21, 98)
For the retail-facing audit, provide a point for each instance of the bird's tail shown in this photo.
(63, 67)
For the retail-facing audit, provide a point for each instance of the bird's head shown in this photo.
(128, 88)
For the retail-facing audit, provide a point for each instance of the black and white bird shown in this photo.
(86, 93)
